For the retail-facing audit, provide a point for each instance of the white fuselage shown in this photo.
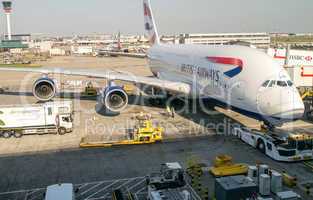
(239, 76)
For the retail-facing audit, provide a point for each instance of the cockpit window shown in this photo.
(272, 83)
(265, 83)
(281, 83)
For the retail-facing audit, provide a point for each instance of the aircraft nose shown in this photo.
(290, 111)
(284, 103)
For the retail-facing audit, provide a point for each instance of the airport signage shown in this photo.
(300, 58)
(307, 71)
(296, 57)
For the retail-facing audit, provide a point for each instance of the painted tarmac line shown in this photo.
(127, 182)
(139, 191)
(89, 189)
(136, 184)
(103, 189)
(21, 191)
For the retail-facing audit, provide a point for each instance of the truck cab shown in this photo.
(171, 175)
(65, 124)
(298, 146)
(64, 117)
(280, 145)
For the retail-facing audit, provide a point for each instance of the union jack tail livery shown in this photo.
(150, 26)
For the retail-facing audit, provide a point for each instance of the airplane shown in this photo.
(245, 79)
(116, 49)
(116, 45)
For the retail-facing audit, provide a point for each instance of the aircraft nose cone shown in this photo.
(290, 111)
(285, 104)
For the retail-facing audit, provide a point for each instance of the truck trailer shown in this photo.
(49, 117)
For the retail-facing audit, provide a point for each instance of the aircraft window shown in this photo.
(289, 83)
(272, 84)
(66, 119)
(291, 144)
(305, 145)
(265, 83)
(282, 83)
(286, 152)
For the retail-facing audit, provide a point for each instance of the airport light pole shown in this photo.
(7, 7)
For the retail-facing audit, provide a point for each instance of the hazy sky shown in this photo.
(172, 16)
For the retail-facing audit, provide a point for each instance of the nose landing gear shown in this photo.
(267, 126)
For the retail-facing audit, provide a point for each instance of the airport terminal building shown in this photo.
(259, 40)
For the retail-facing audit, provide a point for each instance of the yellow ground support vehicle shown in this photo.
(224, 166)
(145, 128)
(289, 180)
(129, 88)
(89, 90)
(143, 133)
(307, 94)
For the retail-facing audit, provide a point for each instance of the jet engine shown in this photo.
(44, 89)
(114, 99)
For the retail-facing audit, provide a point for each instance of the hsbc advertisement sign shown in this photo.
(296, 57)
(300, 58)
(300, 65)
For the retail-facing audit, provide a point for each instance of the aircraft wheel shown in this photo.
(6, 134)
(18, 134)
(62, 131)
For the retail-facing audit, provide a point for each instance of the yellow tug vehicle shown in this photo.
(143, 133)
(224, 166)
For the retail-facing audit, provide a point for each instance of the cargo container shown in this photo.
(235, 187)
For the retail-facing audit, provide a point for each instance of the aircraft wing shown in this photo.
(176, 87)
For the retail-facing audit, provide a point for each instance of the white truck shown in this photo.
(49, 117)
(279, 145)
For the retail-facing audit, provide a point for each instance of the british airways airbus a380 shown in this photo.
(243, 78)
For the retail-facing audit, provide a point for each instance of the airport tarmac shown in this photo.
(98, 190)
(82, 166)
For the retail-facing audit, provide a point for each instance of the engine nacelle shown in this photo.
(114, 99)
(44, 89)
